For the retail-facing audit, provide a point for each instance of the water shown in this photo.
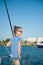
(35, 54)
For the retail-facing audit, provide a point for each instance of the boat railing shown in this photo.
(25, 60)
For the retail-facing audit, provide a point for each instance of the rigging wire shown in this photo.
(10, 25)
(8, 16)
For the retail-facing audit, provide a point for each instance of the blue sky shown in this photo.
(25, 13)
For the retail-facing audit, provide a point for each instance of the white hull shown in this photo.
(40, 45)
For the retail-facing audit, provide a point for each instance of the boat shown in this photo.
(40, 44)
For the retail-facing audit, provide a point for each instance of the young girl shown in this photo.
(15, 44)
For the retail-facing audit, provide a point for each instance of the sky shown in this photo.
(25, 13)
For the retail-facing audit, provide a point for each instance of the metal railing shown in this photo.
(0, 60)
(23, 61)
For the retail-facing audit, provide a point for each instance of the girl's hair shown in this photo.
(16, 27)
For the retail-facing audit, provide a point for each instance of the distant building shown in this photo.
(39, 39)
(31, 39)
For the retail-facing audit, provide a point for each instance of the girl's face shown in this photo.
(19, 32)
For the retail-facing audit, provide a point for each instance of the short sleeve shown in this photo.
(19, 38)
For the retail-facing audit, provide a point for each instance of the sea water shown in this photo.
(34, 53)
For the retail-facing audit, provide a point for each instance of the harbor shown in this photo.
(21, 31)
